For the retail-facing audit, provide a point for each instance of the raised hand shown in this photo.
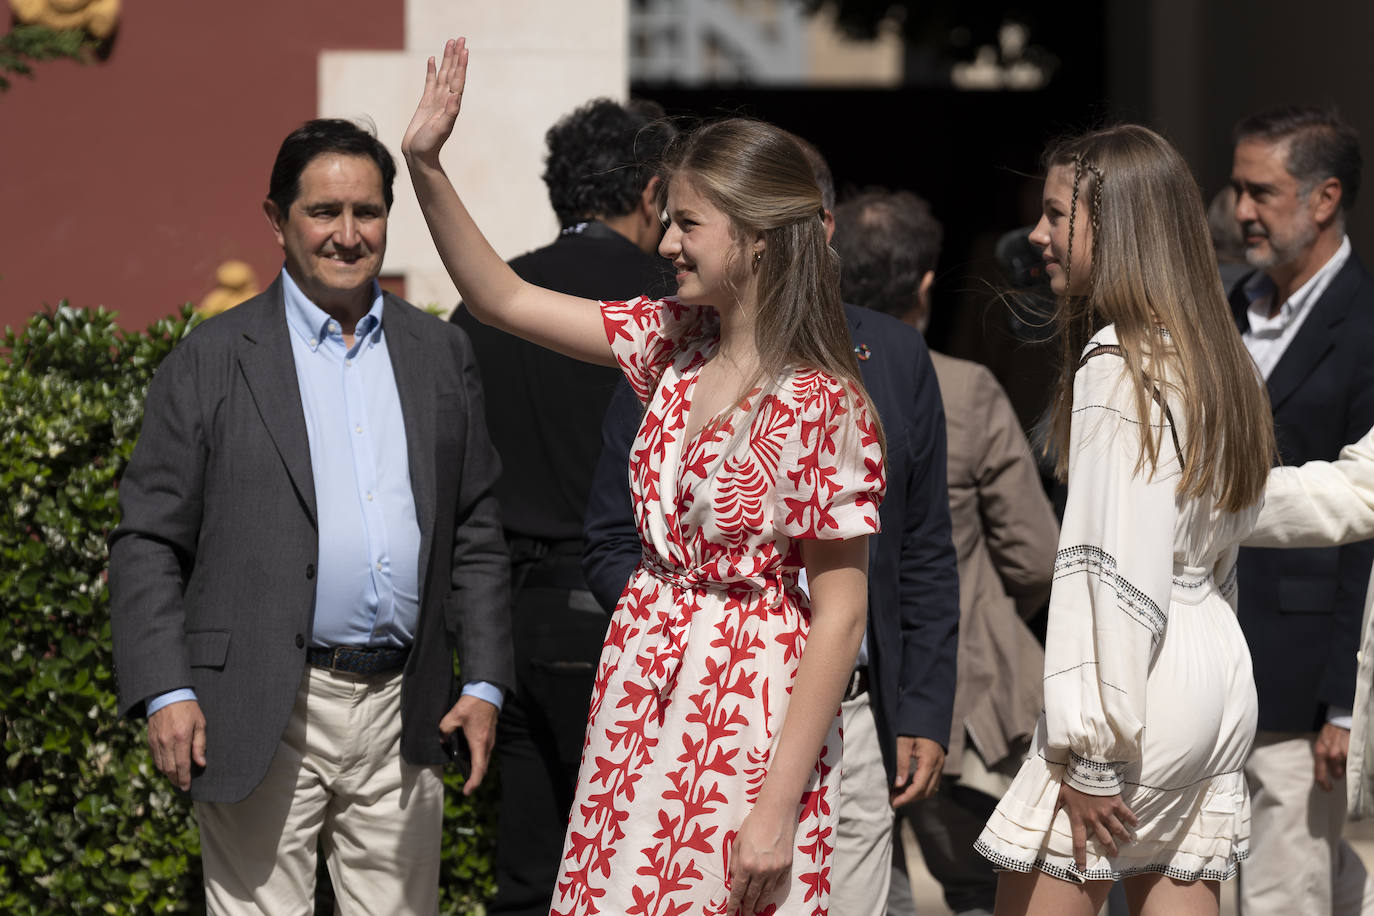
(438, 109)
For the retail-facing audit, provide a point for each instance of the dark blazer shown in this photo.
(212, 567)
(544, 408)
(1301, 609)
(913, 585)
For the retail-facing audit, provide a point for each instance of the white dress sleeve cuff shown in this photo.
(1094, 777)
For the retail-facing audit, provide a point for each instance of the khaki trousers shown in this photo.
(337, 780)
(1298, 861)
(862, 868)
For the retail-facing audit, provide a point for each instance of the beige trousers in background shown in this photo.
(337, 779)
(861, 869)
(1298, 862)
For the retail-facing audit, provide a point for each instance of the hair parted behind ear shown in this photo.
(1153, 267)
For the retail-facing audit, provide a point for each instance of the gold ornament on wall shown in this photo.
(235, 282)
(98, 17)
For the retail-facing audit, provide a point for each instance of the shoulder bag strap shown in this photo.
(1115, 350)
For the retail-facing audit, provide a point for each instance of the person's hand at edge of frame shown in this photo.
(176, 738)
(1329, 751)
(919, 764)
(477, 719)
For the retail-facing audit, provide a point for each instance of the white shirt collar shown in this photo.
(1260, 290)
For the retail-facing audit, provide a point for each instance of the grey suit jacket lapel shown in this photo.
(270, 370)
(414, 386)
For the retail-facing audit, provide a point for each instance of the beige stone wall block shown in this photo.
(840, 61)
(531, 63)
(590, 28)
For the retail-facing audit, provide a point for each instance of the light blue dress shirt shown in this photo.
(367, 587)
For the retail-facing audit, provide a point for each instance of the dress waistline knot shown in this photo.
(666, 636)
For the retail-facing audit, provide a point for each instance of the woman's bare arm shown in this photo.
(490, 289)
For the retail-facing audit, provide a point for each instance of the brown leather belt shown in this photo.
(359, 659)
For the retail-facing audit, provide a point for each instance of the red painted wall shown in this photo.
(127, 181)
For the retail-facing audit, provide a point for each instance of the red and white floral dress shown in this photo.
(697, 670)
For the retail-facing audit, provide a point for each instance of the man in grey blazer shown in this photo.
(308, 531)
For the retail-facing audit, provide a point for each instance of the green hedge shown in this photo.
(87, 824)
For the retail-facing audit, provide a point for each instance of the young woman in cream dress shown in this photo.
(1165, 437)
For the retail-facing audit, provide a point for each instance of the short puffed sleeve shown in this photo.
(647, 335)
(831, 475)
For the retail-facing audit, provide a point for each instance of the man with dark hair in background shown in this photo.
(1005, 535)
(307, 528)
(896, 710)
(544, 410)
(1307, 317)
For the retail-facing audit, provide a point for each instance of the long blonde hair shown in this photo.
(759, 177)
(1153, 266)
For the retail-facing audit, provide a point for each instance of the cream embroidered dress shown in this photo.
(694, 680)
(1148, 683)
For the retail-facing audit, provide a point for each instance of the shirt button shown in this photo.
(300, 641)
(348, 362)
(310, 570)
(369, 497)
(358, 430)
(379, 566)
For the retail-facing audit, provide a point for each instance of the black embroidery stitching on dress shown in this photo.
(1075, 668)
(1107, 349)
(1228, 585)
(1072, 873)
(1119, 414)
(1144, 785)
(1080, 760)
(1092, 559)
(1082, 780)
(1093, 772)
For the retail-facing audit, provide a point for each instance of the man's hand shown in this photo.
(477, 719)
(1104, 816)
(1328, 754)
(919, 764)
(176, 736)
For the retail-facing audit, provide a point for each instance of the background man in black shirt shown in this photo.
(544, 414)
